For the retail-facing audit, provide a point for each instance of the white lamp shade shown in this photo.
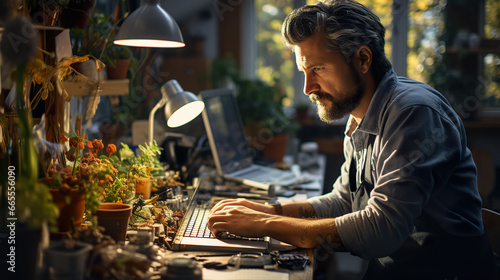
(150, 26)
(184, 114)
(181, 106)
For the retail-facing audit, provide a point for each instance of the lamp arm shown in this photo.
(158, 105)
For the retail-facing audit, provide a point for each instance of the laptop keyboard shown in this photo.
(197, 227)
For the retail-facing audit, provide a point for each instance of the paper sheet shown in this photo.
(244, 274)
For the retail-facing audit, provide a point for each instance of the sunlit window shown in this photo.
(492, 60)
(431, 56)
(275, 64)
(425, 27)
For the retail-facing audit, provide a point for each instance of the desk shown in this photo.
(243, 274)
(203, 257)
(313, 187)
(141, 257)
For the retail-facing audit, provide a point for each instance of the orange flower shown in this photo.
(89, 145)
(70, 156)
(62, 138)
(97, 144)
(111, 149)
(81, 145)
(73, 142)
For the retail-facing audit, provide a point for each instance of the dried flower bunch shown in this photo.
(51, 77)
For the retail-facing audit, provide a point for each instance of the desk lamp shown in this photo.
(149, 26)
(181, 106)
(152, 27)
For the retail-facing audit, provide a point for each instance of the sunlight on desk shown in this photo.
(245, 274)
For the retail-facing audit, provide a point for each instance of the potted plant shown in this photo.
(139, 170)
(76, 184)
(133, 178)
(118, 59)
(261, 107)
(97, 39)
(267, 126)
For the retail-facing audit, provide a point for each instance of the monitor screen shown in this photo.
(225, 130)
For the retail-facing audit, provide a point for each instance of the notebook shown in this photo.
(232, 155)
(193, 233)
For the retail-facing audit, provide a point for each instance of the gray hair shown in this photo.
(347, 25)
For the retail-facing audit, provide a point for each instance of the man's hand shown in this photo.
(251, 219)
(243, 202)
(235, 217)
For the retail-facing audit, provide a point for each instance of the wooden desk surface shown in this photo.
(308, 272)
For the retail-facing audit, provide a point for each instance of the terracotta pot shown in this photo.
(119, 71)
(74, 209)
(114, 218)
(276, 148)
(143, 186)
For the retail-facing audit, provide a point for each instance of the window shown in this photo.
(425, 27)
(492, 60)
(420, 40)
(275, 64)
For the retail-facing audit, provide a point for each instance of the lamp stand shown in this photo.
(158, 105)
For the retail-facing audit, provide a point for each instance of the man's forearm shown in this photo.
(304, 233)
(298, 210)
(299, 227)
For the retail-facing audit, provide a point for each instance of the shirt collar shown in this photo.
(382, 95)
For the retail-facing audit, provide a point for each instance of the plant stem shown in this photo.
(77, 151)
(28, 163)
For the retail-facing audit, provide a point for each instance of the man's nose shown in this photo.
(310, 85)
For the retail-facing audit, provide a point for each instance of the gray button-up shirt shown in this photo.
(422, 171)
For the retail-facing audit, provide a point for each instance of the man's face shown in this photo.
(333, 84)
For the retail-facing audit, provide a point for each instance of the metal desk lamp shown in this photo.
(181, 106)
(149, 26)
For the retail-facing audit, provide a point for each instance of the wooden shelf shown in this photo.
(106, 87)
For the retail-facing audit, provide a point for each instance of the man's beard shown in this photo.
(334, 108)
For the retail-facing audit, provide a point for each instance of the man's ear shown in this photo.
(364, 56)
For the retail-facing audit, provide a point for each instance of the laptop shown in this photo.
(233, 157)
(193, 233)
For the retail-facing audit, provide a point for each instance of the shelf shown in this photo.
(106, 88)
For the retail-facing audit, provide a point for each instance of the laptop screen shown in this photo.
(225, 131)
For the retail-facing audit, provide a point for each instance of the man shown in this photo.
(407, 196)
